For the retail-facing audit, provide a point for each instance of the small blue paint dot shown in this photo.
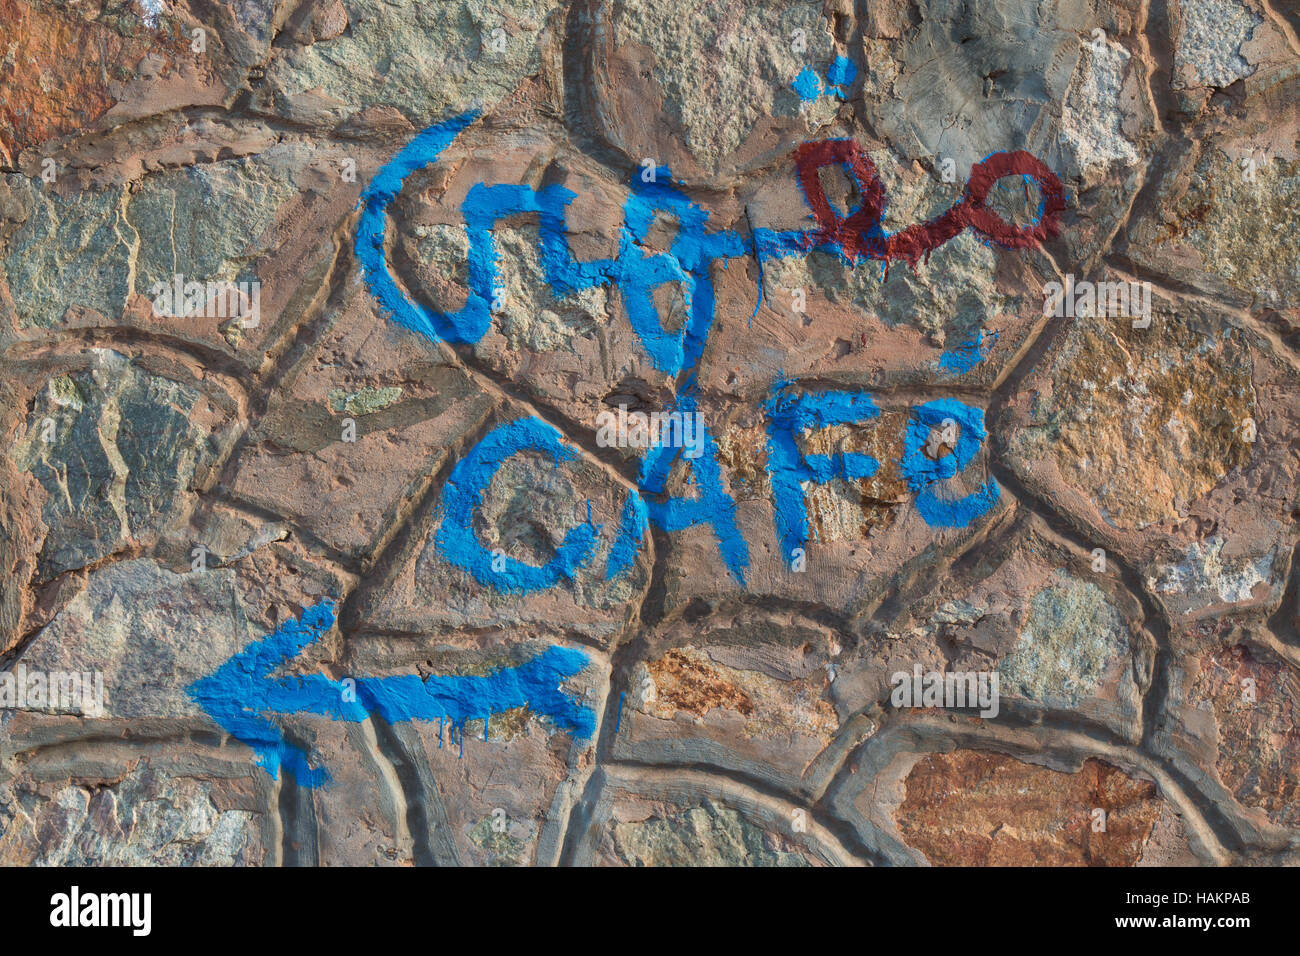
(807, 84)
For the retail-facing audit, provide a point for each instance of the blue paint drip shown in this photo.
(762, 280)
(631, 529)
(463, 495)
(241, 692)
(618, 721)
(790, 415)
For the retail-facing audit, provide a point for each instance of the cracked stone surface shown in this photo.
(347, 567)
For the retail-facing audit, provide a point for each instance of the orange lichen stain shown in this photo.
(1145, 424)
(687, 683)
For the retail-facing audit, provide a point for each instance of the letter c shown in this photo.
(463, 496)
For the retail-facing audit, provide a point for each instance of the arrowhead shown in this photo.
(239, 692)
(242, 692)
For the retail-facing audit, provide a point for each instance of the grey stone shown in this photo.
(122, 450)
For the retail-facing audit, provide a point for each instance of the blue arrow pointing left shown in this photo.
(239, 694)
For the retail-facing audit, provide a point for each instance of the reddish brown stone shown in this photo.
(971, 808)
(58, 70)
(1259, 729)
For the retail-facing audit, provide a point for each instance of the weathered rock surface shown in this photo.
(968, 808)
(313, 319)
(117, 452)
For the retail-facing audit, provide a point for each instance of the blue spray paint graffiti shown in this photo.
(808, 85)
(369, 243)
(631, 528)
(966, 355)
(241, 692)
(637, 273)
(790, 415)
(692, 253)
(464, 494)
(923, 472)
(711, 506)
(842, 72)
